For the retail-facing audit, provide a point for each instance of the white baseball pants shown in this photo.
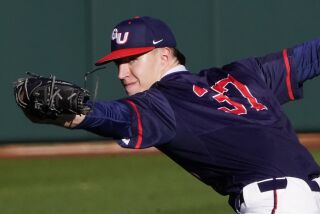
(291, 196)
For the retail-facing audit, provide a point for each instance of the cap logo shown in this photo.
(117, 36)
(156, 42)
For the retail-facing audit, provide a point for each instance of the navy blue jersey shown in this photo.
(223, 125)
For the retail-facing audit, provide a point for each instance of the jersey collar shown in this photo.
(178, 68)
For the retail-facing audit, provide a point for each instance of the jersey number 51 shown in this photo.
(220, 88)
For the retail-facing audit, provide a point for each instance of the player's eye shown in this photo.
(133, 59)
(125, 60)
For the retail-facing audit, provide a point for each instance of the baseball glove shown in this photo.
(49, 98)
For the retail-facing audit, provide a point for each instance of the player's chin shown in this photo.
(132, 89)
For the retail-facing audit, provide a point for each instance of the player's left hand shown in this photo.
(48, 100)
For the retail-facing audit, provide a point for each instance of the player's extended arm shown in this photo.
(285, 72)
(107, 118)
(139, 121)
(306, 58)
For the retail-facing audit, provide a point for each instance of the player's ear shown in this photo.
(165, 54)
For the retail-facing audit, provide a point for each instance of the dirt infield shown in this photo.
(310, 140)
(68, 149)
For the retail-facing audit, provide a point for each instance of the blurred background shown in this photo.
(66, 37)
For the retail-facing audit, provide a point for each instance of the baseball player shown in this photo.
(224, 125)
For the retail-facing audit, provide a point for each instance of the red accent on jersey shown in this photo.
(140, 131)
(199, 91)
(243, 89)
(239, 109)
(288, 78)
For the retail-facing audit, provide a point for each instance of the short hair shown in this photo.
(180, 57)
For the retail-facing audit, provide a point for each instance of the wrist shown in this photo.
(73, 122)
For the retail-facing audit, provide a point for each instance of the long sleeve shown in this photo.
(306, 57)
(152, 122)
(108, 119)
(140, 121)
(284, 72)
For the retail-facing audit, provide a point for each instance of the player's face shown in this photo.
(138, 73)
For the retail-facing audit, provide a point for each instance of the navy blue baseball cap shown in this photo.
(137, 36)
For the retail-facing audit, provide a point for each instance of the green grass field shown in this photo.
(146, 184)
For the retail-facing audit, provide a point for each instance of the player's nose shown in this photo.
(123, 71)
